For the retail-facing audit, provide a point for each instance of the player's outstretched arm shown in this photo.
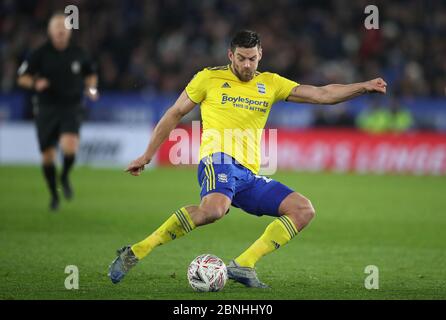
(168, 122)
(335, 93)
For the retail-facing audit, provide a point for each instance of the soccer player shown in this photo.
(59, 72)
(237, 97)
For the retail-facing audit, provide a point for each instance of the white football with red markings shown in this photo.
(207, 273)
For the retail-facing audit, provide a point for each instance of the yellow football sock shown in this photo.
(176, 226)
(277, 234)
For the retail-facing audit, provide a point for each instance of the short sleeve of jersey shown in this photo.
(283, 87)
(31, 65)
(88, 67)
(197, 87)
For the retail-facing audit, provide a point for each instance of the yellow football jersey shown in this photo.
(234, 112)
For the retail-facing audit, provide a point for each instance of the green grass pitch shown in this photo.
(397, 223)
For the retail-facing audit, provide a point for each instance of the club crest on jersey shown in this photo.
(261, 88)
(222, 177)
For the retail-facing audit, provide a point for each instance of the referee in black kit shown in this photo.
(59, 72)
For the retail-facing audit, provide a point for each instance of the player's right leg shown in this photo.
(212, 207)
(47, 134)
(49, 172)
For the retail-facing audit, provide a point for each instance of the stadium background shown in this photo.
(387, 207)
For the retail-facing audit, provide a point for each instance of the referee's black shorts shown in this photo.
(52, 121)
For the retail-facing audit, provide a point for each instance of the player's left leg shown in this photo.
(270, 197)
(298, 209)
(69, 143)
(49, 172)
(295, 212)
(47, 125)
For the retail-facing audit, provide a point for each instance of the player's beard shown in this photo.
(245, 75)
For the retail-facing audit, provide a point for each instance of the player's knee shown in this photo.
(69, 150)
(213, 210)
(47, 160)
(306, 209)
(214, 207)
(69, 143)
(301, 211)
(213, 213)
(309, 209)
(49, 156)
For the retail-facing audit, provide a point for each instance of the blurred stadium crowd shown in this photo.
(158, 45)
(311, 41)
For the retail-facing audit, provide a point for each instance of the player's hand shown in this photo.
(136, 167)
(41, 84)
(376, 85)
(92, 93)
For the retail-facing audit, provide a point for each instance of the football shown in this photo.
(207, 273)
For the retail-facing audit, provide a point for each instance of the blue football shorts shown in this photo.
(257, 195)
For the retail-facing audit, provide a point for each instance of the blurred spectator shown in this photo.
(338, 116)
(402, 119)
(380, 118)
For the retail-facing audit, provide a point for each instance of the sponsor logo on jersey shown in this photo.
(222, 177)
(261, 88)
(225, 85)
(240, 100)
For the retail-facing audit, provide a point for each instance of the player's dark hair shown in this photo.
(57, 13)
(245, 39)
